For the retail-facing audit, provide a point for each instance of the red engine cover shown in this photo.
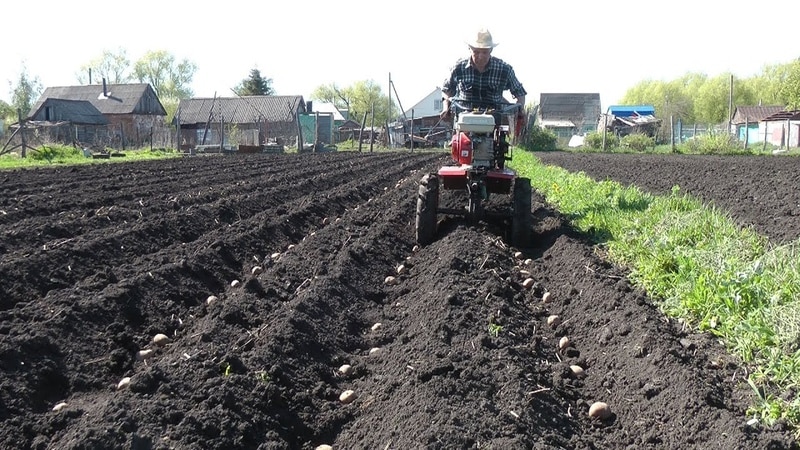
(461, 148)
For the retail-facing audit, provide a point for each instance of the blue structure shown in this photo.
(632, 110)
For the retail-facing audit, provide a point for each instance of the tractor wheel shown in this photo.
(521, 220)
(427, 204)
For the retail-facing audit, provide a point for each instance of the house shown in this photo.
(568, 114)
(781, 129)
(423, 121)
(69, 121)
(133, 111)
(747, 123)
(623, 120)
(230, 121)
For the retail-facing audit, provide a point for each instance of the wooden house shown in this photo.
(69, 121)
(568, 114)
(228, 122)
(133, 111)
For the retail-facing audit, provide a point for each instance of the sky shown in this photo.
(554, 47)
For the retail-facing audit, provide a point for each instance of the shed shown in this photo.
(567, 114)
(623, 120)
(69, 121)
(782, 129)
(747, 125)
(133, 111)
(246, 120)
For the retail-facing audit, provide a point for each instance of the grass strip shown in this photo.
(699, 267)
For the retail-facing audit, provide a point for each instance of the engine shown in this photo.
(473, 141)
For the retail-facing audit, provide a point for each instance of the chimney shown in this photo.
(105, 91)
(90, 76)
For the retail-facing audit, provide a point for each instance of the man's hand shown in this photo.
(445, 109)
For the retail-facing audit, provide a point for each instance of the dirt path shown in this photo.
(95, 261)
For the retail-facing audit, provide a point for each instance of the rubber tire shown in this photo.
(427, 204)
(521, 218)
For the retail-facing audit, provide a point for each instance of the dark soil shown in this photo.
(98, 260)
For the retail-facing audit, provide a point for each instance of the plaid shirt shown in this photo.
(467, 84)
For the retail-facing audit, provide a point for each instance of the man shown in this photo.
(481, 79)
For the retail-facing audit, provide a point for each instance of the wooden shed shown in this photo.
(227, 122)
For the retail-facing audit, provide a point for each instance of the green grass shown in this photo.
(59, 155)
(699, 267)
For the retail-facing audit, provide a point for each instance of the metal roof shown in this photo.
(754, 114)
(630, 110)
(784, 115)
(116, 99)
(245, 109)
(572, 107)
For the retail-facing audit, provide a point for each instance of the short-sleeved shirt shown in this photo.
(467, 84)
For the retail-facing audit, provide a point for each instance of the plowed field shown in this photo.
(294, 251)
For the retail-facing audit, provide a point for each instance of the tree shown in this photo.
(170, 79)
(7, 112)
(790, 89)
(362, 97)
(255, 84)
(113, 67)
(330, 93)
(25, 93)
(766, 87)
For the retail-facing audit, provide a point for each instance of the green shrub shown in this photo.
(637, 142)
(52, 153)
(594, 140)
(540, 140)
(713, 143)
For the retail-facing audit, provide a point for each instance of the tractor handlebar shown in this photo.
(459, 106)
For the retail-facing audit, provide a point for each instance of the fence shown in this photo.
(93, 137)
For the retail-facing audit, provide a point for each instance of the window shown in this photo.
(437, 104)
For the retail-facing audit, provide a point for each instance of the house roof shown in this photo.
(754, 114)
(553, 106)
(75, 111)
(118, 98)
(784, 115)
(324, 107)
(246, 109)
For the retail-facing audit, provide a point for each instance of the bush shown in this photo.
(540, 139)
(594, 140)
(52, 153)
(638, 142)
(713, 143)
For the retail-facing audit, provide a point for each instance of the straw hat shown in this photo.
(482, 40)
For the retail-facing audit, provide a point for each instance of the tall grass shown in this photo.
(699, 266)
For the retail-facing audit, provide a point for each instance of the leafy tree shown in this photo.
(25, 93)
(7, 112)
(330, 93)
(255, 84)
(114, 67)
(362, 97)
(790, 88)
(170, 79)
(766, 87)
